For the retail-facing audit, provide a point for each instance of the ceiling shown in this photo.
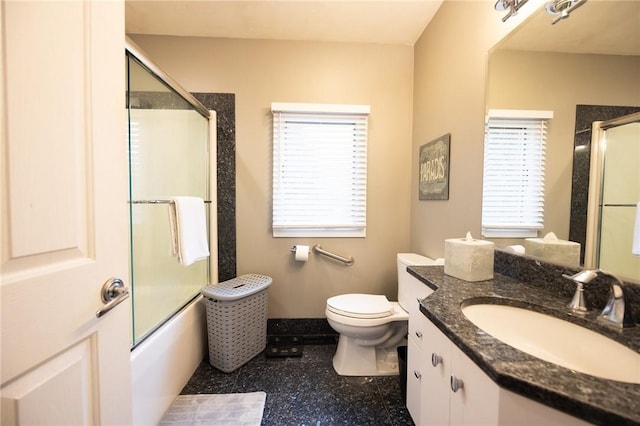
(599, 26)
(363, 21)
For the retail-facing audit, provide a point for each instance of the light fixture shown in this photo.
(512, 6)
(562, 8)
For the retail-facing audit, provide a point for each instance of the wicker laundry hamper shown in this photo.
(236, 320)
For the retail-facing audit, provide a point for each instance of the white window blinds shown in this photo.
(319, 170)
(514, 166)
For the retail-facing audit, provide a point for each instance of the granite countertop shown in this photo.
(593, 399)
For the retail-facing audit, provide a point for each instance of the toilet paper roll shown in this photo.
(302, 253)
(518, 249)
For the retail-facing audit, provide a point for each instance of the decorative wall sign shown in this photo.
(433, 174)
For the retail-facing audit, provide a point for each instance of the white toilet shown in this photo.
(371, 327)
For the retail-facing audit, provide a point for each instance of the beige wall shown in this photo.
(261, 72)
(449, 97)
(558, 82)
(416, 95)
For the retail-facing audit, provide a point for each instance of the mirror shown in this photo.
(614, 192)
(584, 69)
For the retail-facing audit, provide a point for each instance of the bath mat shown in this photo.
(232, 409)
(278, 346)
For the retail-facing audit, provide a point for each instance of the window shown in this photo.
(513, 182)
(319, 170)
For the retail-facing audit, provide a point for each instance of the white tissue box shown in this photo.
(469, 260)
(557, 251)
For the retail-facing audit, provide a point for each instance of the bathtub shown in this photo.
(162, 365)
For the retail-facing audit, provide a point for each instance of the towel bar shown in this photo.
(158, 202)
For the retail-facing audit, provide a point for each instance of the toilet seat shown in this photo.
(365, 306)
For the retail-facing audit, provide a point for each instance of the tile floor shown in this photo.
(307, 391)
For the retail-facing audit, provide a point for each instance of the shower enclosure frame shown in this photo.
(163, 362)
(134, 50)
(134, 53)
(596, 186)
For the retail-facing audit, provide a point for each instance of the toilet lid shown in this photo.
(360, 305)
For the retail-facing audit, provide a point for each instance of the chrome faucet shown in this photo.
(615, 313)
(579, 302)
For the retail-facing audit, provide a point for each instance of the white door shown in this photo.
(64, 213)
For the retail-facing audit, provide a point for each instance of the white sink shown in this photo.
(557, 341)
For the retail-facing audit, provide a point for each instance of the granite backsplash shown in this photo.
(549, 276)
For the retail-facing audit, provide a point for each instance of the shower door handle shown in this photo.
(113, 293)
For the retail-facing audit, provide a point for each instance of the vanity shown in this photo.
(459, 374)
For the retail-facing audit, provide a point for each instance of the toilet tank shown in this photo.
(405, 294)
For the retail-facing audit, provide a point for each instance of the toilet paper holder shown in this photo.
(317, 249)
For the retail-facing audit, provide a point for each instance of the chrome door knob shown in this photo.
(112, 294)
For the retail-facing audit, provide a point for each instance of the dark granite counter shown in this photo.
(587, 397)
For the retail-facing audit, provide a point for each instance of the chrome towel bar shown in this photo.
(157, 202)
(320, 250)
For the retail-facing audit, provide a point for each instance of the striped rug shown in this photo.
(233, 409)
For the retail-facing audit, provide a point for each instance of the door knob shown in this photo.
(112, 294)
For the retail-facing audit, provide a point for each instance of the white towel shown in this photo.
(635, 249)
(188, 229)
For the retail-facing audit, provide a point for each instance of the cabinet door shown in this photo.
(416, 363)
(477, 402)
(435, 378)
(418, 291)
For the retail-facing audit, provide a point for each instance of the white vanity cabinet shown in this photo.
(442, 367)
(477, 402)
(429, 381)
(435, 365)
(416, 292)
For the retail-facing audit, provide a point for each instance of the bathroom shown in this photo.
(438, 87)
(296, 71)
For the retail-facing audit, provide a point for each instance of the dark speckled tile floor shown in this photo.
(307, 391)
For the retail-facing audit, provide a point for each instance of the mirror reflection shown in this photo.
(585, 69)
(613, 224)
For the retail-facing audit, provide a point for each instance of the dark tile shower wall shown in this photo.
(224, 105)
(585, 116)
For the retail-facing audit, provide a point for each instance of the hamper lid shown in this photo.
(237, 288)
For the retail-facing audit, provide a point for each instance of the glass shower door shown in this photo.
(620, 195)
(168, 156)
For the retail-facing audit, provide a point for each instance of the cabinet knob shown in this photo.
(456, 384)
(419, 334)
(417, 374)
(435, 359)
